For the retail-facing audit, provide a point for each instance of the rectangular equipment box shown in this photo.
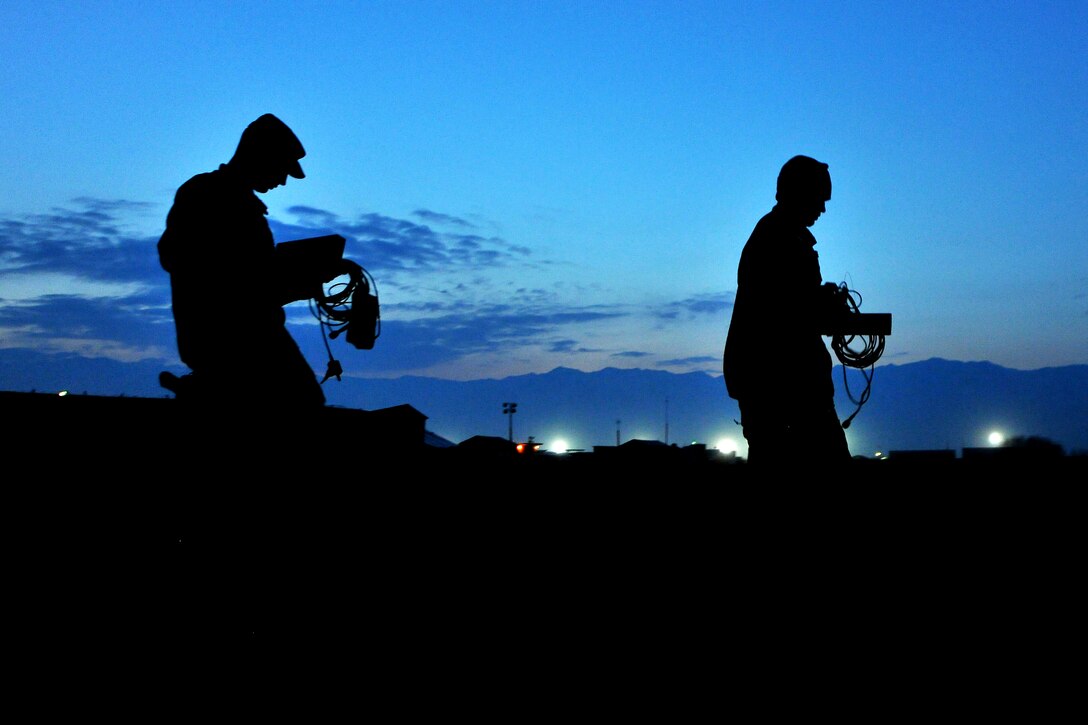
(303, 265)
(861, 323)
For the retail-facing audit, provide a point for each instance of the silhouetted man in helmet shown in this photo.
(227, 289)
(776, 364)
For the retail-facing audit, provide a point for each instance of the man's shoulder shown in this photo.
(764, 233)
(775, 228)
(204, 181)
(212, 188)
(771, 221)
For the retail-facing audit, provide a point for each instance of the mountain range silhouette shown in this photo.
(927, 405)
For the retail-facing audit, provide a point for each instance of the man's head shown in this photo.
(268, 153)
(804, 186)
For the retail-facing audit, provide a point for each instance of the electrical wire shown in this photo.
(333, 308)
(872, 347)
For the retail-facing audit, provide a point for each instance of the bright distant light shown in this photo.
(559, 446)
(996, 438)
(62, 393)
(727, 445)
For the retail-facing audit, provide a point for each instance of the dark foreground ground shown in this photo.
(439, 558)
(646, 581)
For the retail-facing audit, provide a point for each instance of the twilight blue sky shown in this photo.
(536, 184)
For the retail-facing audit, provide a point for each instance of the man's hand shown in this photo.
(348, 267)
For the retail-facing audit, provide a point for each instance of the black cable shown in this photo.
(870, 352)
(332, 309)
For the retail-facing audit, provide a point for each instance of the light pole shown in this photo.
(666, 421)
(508, 409)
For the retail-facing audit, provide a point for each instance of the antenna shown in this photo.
(666, 421)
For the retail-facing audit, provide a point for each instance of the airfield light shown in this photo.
(727, 445)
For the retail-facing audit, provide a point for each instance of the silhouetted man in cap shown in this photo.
(250, 387)
(776, 364)
(227, 288)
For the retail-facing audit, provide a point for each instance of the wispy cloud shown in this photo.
(127, 329)
(696, 361)
(695, 306)
(434, 217)
(91, 240)
(80, 279)
(390, 246)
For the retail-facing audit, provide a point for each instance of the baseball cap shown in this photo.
(269, 136)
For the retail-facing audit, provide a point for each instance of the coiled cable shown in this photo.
(333, 308)
(872, 347)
